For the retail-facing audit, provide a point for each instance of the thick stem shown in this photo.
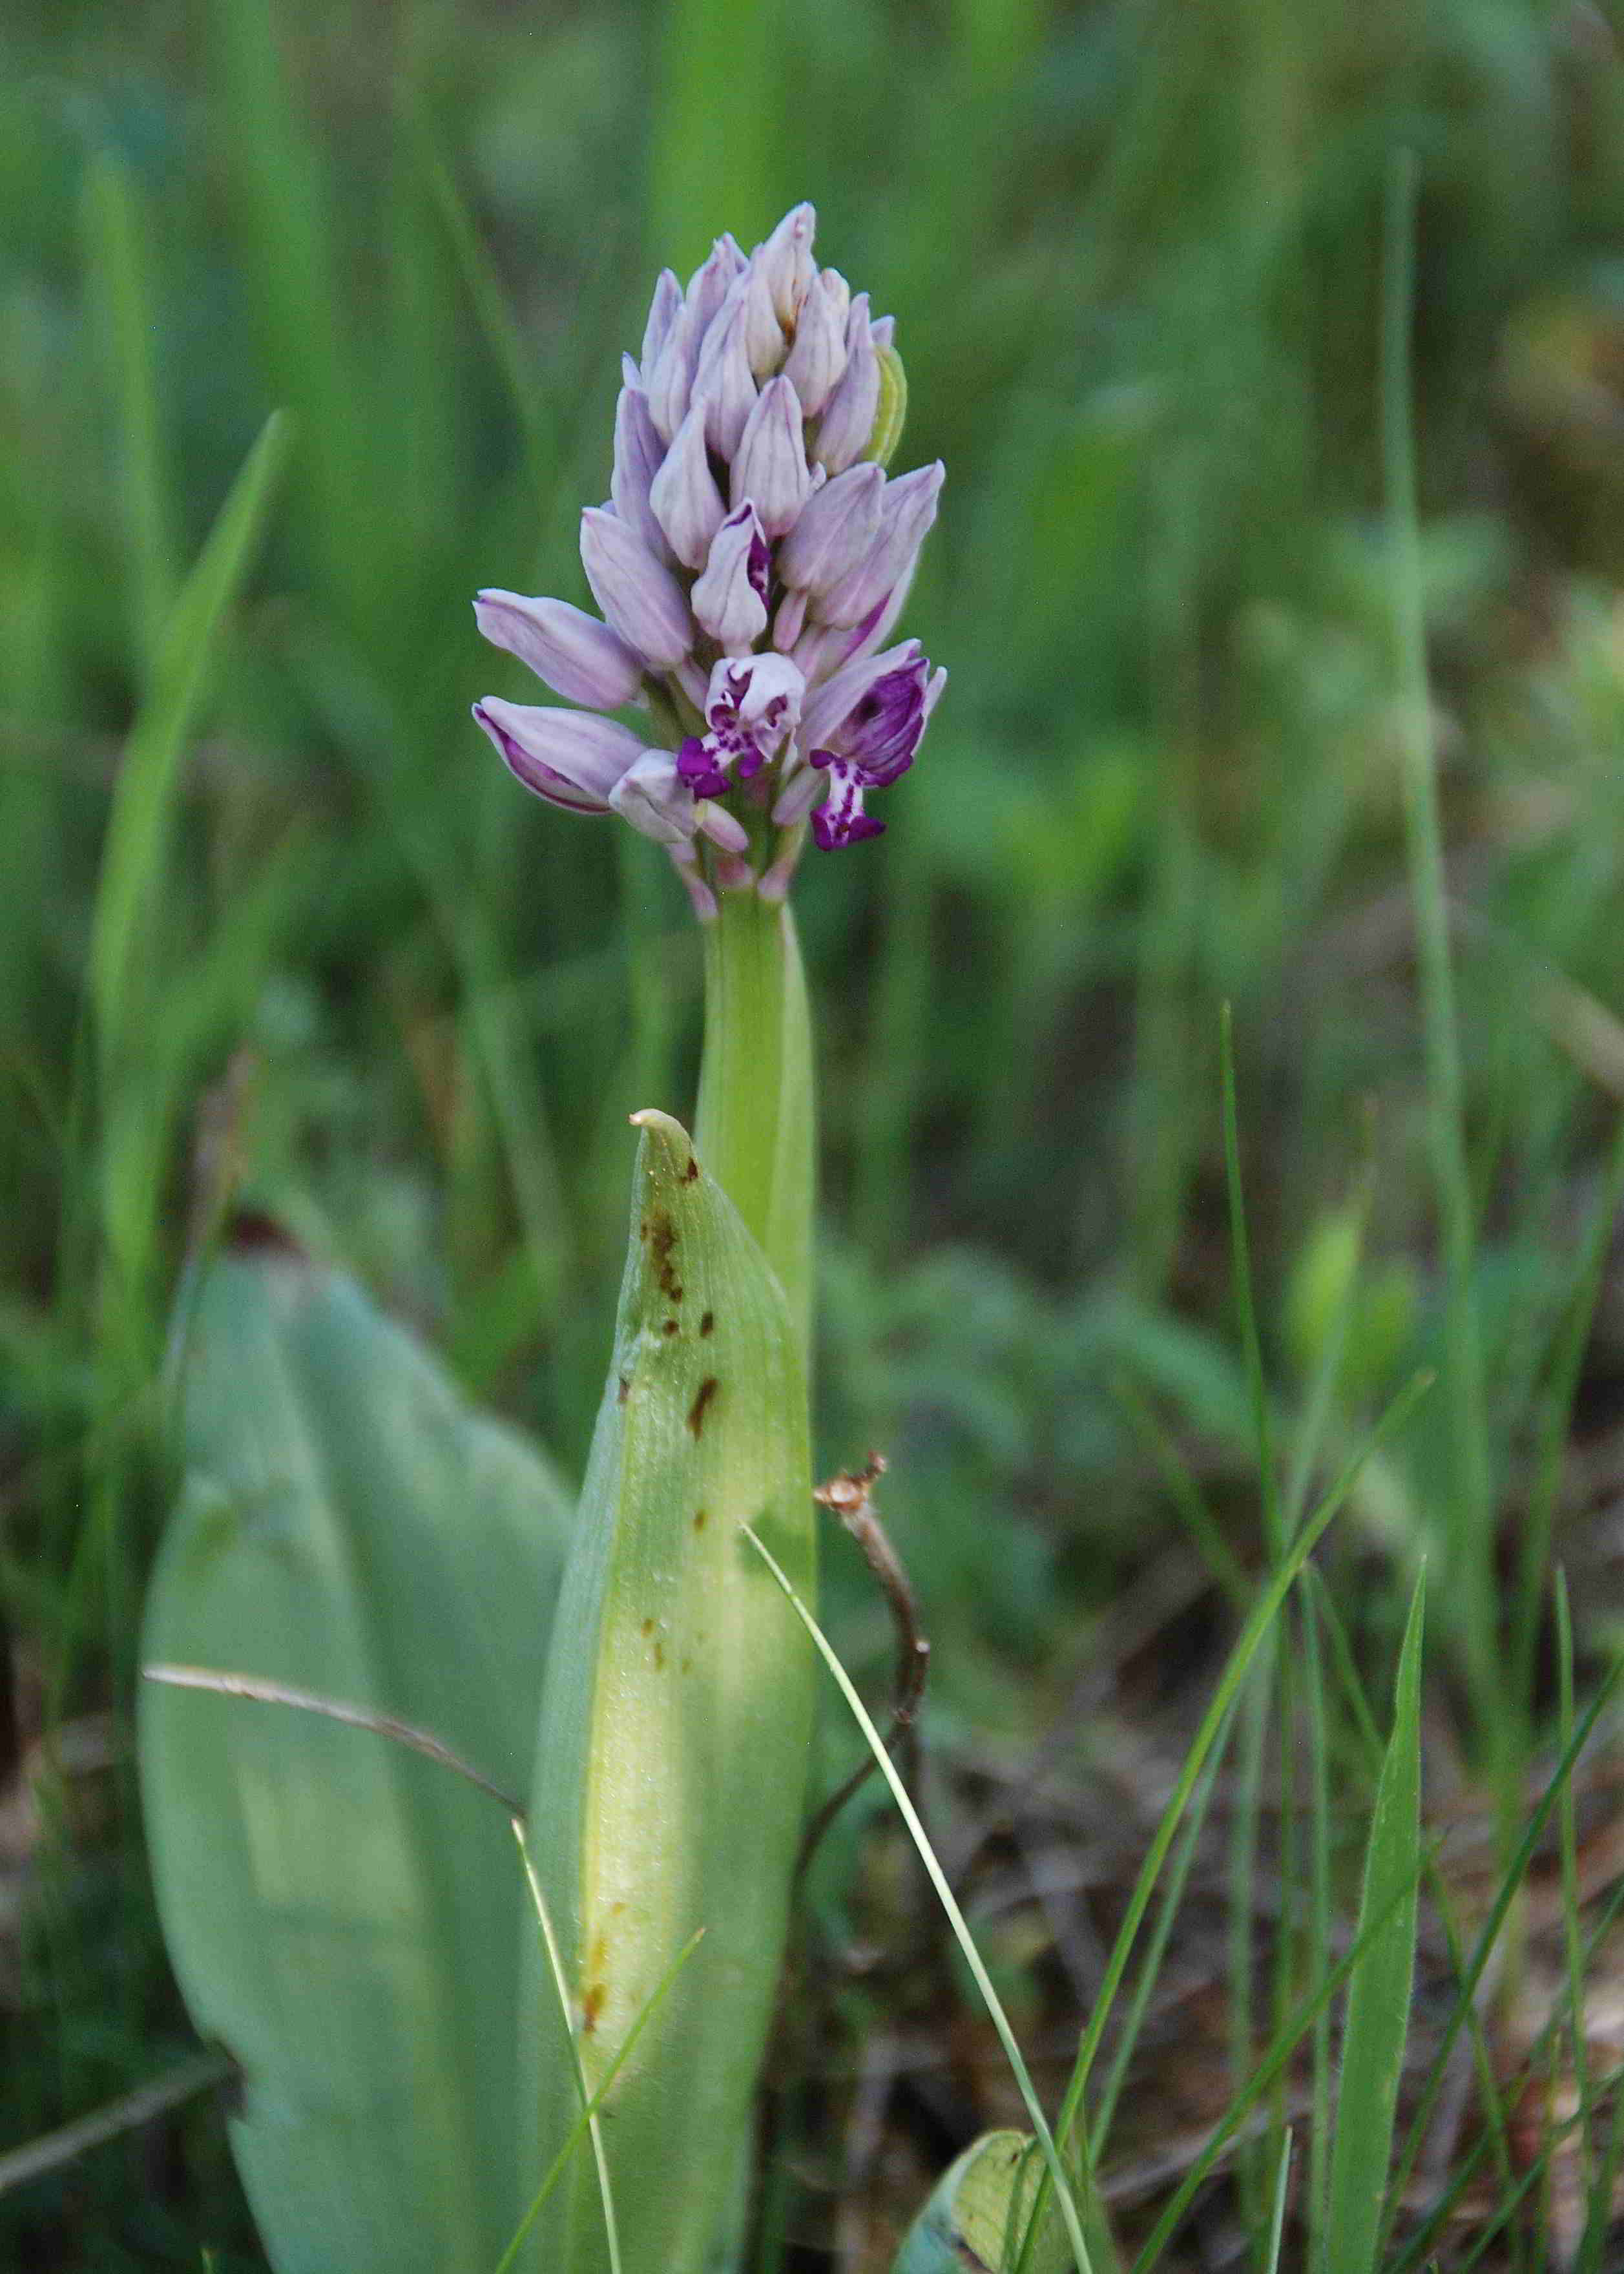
(755, 1129)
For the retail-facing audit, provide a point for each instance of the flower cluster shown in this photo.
(750, 564)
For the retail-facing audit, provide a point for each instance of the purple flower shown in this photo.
(750, 569)
(867, 724)
(751, 706)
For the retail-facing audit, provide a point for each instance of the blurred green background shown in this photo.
(288, 929)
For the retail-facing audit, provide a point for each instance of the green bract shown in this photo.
(891, 416)
(345, 1917)
(672, 1762)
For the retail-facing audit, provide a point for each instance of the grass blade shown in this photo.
(144, 801)
(1277, 2222)
(120, 257)
(1511, 1880)
(956, 1917)
(588, 2118)
(560, 1983)
(1378, 2021)
(1470, 1544)
(1569, 1841)
(1172, 1895)
(1279, 2050)
(1245, 1650)
(1241, 1266)
(1535, 1538)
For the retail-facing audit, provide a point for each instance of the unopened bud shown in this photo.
(637, 593)
(686, 500)
(580, 659)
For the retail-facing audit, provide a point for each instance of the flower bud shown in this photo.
(763, 334)
(709, 286)
(785, 260)
(907, 509)
(572, 758)
(717, 824)
(639, 594)
(788, 624)
(769, 467)
(580, 659)
(816, 361)
(849, 413)
(730, 598)
(835, 530)
(724, 381)
(650, 795)
(662, 314)
(685, 499)
(638, 451)
(669, 383)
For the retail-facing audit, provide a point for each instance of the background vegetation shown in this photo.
(289, 930)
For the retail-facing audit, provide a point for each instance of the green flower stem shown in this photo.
(755, 1129)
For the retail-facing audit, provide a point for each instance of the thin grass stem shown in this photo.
(560, 1983)
(955, 1918)
(1470, 1542)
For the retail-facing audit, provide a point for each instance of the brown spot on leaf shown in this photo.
(662, 1238)
(699, 1519)
(625, 1389)
(707, 1325)
(691, 1171)
(701, 1405)
(647, 1626)
(669, 1326)
(591, 2007)
(659, 1656)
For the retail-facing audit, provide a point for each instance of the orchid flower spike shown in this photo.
(751, 567)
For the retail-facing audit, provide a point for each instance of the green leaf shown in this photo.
(1378, 2017)
(978, 2207)
(345, 1917)
(672, 1764)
